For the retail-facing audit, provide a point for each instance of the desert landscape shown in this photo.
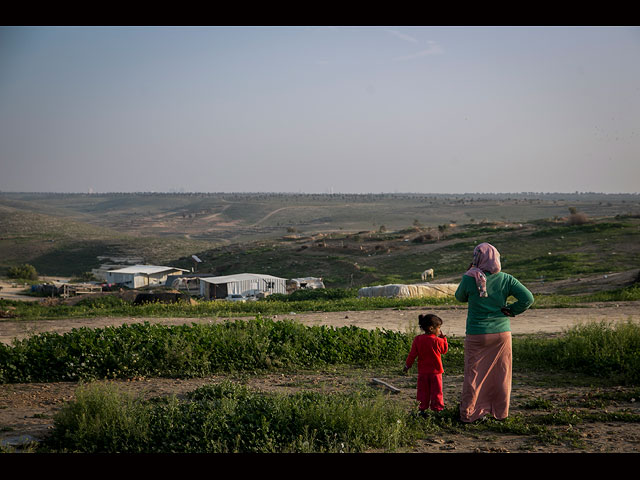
(601, 256)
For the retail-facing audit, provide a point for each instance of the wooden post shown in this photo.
(386, 385)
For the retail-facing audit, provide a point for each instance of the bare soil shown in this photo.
(27, 410)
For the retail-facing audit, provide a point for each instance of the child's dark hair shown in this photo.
(429, 320)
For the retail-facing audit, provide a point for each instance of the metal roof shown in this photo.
(145, 269)
(239, 278)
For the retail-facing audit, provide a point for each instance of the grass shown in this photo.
(230, 417)
(69, 232)
(597, 349)
(145, 350)
(330, 300)
(214, 308)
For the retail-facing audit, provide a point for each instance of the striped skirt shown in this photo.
(487, 376)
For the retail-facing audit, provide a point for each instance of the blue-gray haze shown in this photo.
(320, 109)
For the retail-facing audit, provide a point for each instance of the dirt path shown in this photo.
(27, 410)
(537, 320)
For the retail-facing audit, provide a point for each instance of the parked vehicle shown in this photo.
(236, 297)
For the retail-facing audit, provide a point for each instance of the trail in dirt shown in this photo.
(535, 320)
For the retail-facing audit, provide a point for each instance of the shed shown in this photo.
(137, 276)
(247, 284)
(188, 283)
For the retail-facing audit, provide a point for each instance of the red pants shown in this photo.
(430, 391)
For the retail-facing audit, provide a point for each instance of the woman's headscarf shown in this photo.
(486, 258)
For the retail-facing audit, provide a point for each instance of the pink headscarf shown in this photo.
(486, 258)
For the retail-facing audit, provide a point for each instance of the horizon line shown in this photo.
(169, 192)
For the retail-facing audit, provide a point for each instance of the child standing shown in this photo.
(428, 348)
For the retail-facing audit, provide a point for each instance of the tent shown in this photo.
(409, 291)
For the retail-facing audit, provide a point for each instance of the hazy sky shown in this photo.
(320, 109)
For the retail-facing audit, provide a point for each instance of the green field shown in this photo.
(227, 416)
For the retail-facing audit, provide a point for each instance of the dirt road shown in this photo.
(536, 320)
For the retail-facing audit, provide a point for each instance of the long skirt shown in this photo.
(487, 376)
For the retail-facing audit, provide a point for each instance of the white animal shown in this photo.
(427, 274)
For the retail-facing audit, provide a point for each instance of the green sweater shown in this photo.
(484, 315)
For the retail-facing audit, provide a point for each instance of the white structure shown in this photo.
(409, 291)
(247, 284)
(137, 276)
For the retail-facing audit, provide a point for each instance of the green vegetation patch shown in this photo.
(112, 306)
(229, 418)
(145, 350)
(599, 349)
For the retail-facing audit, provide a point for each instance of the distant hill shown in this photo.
(349, 240)
(62, 246)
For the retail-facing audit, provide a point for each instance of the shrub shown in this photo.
(100, 419)
(577, 219)
(599, 349)
(23, 272)
(226, 418)
(181, 351)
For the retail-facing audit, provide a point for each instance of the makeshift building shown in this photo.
(310, 283)
(137, 276)
(188, 283)
(246, 284)
(409, 291)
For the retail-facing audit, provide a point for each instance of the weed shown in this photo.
(228, 417)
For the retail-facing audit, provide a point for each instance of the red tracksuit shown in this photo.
(428, 349)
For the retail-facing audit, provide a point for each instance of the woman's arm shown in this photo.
(462, 294)
(523, 296)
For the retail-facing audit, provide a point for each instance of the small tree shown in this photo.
(442, 229)
(23, 272)
(576, 218)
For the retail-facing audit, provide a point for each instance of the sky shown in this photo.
(315, 109)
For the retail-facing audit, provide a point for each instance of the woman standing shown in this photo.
(487, 345)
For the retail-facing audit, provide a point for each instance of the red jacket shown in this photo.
(428, 348)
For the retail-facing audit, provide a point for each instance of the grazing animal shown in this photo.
(427, 274)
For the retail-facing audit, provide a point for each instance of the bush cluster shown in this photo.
(229, 418)
(112, 305)
(23, 272)
(146, 350)
(599, 349)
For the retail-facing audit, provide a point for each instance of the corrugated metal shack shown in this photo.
(246, 284)
(138, 276)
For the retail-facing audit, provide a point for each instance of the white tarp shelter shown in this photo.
(246, 284)
(137, 276)
(410, 291)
